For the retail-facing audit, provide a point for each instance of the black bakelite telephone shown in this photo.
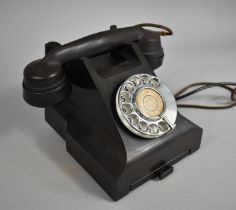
(118, 119)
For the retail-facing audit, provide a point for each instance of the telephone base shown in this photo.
(116, 158)
(144, 159)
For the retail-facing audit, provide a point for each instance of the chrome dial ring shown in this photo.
(146, 106)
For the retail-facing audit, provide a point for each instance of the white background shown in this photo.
(36, 172)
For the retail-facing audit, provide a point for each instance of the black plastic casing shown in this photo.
(87, 120)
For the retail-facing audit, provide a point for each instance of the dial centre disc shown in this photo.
(149, 102)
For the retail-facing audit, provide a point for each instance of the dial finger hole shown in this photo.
(125, 97)
(163, 126)
(155, 82)
(127, 108)
(145, 79)
(128, 87)
(133, 119)
(135, 81)
(153, 128)
(142, 126)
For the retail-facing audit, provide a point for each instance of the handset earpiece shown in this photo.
(45, 83)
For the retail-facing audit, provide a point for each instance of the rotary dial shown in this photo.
(146, 106)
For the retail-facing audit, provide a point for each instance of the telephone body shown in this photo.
(118, 119)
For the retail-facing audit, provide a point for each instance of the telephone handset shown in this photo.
(45, 82)
(119, 120)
